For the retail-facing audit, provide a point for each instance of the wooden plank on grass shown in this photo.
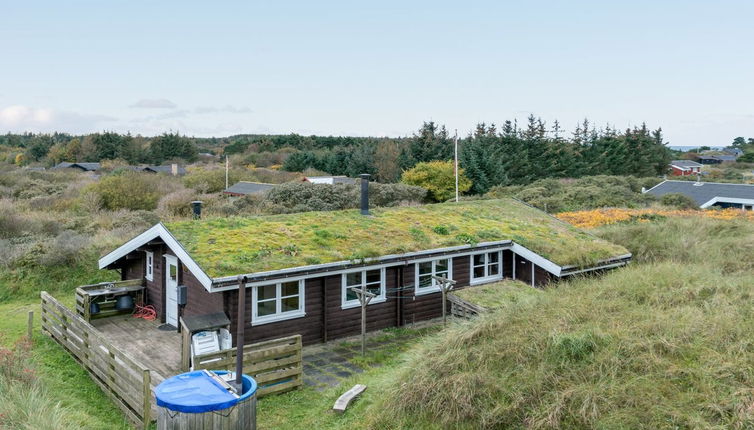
(343, 401)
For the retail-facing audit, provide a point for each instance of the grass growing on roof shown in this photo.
(229, 246)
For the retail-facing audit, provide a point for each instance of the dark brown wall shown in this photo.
(523, 272)
(156, 287)
(309, 326)
(199, 301)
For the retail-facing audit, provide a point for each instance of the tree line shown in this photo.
(509, 154)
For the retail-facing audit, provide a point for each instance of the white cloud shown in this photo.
(154, 104)
(20, 119)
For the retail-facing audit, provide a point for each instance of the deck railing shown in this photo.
(123, 379)
(274, 364)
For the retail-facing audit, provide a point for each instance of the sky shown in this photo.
(376, 68)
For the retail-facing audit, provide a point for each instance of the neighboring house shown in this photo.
(330, 180)
(172, 169)
(709, 194)
(737, 152)
(300, 270)
(243, 188)
(685, 167)
(727, 158)
(84, 167)
(708, 159)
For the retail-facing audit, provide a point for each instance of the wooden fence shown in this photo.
(123, 379)
(274, 364)
(463, 309)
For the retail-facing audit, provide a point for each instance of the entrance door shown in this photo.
(171, 291)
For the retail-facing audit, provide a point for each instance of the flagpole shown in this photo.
(455, 144)
(226, 172)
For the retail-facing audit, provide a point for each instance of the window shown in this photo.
(486, 266)
(276, 302)
(150, 266)
(372, 280)
(425, 283)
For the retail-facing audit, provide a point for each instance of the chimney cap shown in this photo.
(364, 175)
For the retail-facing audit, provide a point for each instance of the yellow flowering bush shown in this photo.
(599, 217)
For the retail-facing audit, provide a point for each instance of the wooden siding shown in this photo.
(523, 272)
(308, 326)
(199, 301)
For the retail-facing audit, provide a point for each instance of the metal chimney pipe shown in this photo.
(196, 208)
(364, 193)
(241, 324)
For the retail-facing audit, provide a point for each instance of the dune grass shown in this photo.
(497, 295)
(663, 343)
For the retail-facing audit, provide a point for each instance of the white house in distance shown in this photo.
(331, 180)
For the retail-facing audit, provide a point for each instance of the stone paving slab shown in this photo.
(327, 365)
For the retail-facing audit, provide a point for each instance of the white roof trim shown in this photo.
(734, 200)
(537, 259)
(158, 230)
(657, 186)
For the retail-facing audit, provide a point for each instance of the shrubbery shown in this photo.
(559, 195)
(304, 196)
(128, 191)
(438, 177)
(678, 200)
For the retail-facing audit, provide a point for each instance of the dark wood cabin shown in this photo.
(315, 300)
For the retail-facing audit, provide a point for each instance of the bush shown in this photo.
(129, 190)
(590, 192)
(68, 248)
(678, 200)
(177, 203)
(438, 178)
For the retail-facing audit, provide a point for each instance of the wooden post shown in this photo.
(30, 326)
(240, 333)
(514, 264)
(532, 273)
(147, 401)
(445, 285)
(364, 298)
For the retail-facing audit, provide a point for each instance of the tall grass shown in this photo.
(24, 402)
(664, 343)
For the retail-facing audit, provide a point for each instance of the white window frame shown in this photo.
(347, 304)
(486, 278)
(278, 315)
(149, 270)
(434, 288)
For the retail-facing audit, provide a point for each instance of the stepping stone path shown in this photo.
(327, 365)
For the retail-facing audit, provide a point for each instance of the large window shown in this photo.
(486, 266)
(149, 273)
(425, 283)
(275, 302)
(372, 280)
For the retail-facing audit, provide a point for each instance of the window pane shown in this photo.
(353, 278)
(479, 272)
(493, 269)
(375, 289)
(266, 308)
(289, 304)
(425, 268)
(425, 281)
(173, 272)
(350, 295)
(441, 266)
(266, 292)
(373, 276)
(493, 257)
(478, 259)
(289, 289)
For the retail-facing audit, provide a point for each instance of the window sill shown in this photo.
(356, 304)
(277, 318)
(426, 290)
(486, 280)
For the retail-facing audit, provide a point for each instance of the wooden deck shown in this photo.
(158, 350)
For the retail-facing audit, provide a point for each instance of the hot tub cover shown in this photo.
(196, 392)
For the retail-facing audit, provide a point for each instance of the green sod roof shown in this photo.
(239, 245)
